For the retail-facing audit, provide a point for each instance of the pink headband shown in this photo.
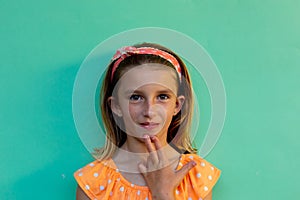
(127, 51)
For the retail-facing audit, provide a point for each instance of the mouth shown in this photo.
(149, 125)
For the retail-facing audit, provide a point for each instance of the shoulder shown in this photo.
(102, 180)
(202, 177)
(89, 170)
(185, 158)
(92, 176)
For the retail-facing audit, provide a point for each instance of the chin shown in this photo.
(140, 132)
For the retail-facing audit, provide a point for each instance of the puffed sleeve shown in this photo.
(200, 180)
(84, 177)
(94, 179)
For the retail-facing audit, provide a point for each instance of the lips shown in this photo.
(149, 125)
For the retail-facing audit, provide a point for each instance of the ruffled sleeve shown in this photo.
(101, 180)
(89, 181)
(200, 180)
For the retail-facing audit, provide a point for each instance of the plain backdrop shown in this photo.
(255, 44)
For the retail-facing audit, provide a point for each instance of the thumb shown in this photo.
(185, 169)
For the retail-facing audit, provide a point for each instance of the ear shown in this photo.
(112, 101)
(179, 103)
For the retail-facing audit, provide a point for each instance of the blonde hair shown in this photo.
(179, 129)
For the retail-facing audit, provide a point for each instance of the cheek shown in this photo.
(127, 110)
(165, 112)
(133, 111)
(170, 111)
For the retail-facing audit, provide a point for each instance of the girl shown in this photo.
(146, 104)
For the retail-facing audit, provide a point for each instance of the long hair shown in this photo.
(179, 129)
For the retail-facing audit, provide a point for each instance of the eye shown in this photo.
(163, 97)
(135, 97)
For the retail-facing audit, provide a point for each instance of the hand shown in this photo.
(161, 179)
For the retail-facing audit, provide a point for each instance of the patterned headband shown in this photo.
(127, 51)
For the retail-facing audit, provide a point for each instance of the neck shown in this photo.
(134, 151)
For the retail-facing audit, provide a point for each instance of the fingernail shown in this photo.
(194, 163)
(146, 137)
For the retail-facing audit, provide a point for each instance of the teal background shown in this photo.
(255, 44)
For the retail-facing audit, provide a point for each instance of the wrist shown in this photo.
(163, 196)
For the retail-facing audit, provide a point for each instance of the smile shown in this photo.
(149, 125)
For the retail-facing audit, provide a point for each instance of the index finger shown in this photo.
(152, 151)
(147, 141)
(158, 147)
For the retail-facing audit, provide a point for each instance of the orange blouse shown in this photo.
(100, 181)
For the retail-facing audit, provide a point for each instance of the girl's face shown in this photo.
(147, 99)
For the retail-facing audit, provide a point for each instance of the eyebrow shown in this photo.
(127, 92)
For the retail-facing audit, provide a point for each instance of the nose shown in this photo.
(149, 109)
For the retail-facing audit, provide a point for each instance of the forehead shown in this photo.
(146, 74)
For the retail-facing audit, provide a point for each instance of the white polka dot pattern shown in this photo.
(87, 187)
(99, 180)
(198, 175)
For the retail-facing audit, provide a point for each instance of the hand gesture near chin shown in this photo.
(161, 179)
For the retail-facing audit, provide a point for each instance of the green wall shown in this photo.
(255, 44)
